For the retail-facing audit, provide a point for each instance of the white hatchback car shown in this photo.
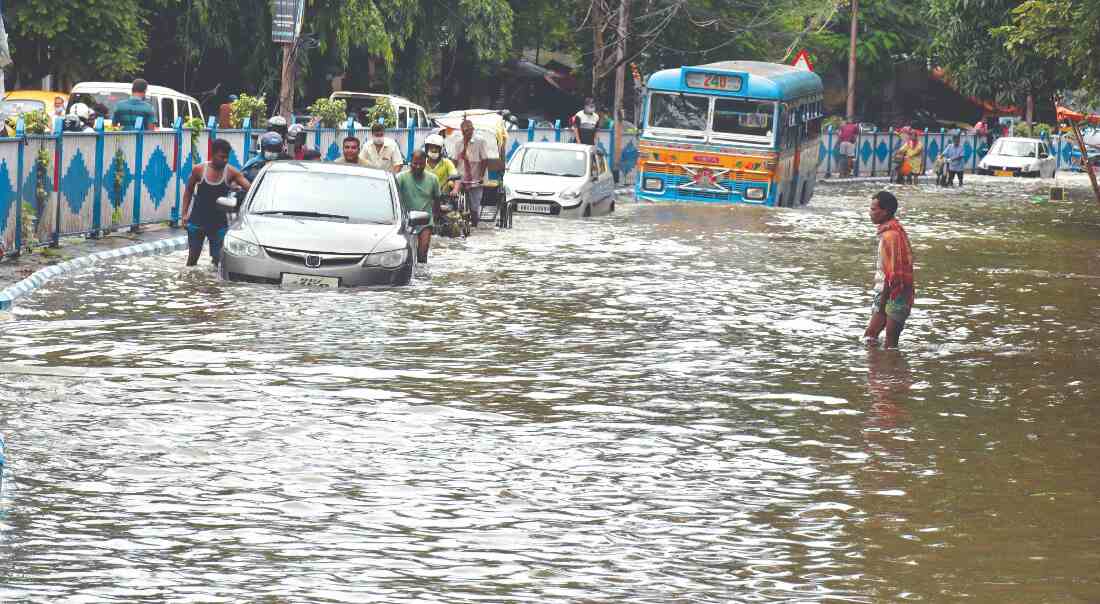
(1016, 156)
(559, 179)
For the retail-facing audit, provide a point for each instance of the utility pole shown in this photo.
(620, 73)
(286, 88)
(852, 63)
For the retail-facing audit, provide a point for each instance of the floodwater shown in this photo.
(670, 404)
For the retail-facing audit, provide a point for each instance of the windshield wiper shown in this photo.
(546, 173)
(300, 213)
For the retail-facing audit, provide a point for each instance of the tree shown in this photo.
(971, 45)
(1065, 32)
(70, 39)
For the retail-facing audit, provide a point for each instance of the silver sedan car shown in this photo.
(316, 224)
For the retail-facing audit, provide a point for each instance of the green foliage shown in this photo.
(37, 122)
(331, 113)
(195, 126)
(246, 107)
(76, 39)
(1066, 33)
(970, 43)
(1036, 130)
(29, 223)
(382, 111)
(118, 173)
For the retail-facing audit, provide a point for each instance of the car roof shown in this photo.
(326, 168)
(563, 146)
(34, 95)
(1020, 139)
(127, 87)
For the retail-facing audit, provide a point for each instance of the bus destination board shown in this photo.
(714, 81)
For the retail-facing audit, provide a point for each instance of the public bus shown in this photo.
(730, 132)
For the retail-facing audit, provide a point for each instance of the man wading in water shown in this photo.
(893, 272)
(207, 183)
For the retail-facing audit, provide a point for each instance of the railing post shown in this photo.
(138, 163)
(58, 156)
(411, 141)
(176, 167)
(974, 153)
(530, 131)
(97, 197)
(351, 127)
(828, 152)
(20, 133)
(212, 126)
(317, 138)
(557, 131)
(247, 140)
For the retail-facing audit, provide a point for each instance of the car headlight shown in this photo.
(570, 193)
(653, 184)
(755, 193)
(240, 247)
(390, 259)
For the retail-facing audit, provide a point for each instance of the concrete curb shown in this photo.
(10, 294)
(841, 181)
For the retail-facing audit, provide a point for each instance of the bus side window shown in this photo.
(402, 118)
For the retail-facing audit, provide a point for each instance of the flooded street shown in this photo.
(669, 404)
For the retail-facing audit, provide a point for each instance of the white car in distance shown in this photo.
(559, 179)
(1018, 156)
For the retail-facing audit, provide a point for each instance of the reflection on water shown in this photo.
(669, 404)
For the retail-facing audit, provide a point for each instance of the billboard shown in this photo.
(286, 21)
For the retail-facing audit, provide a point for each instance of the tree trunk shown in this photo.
(851, 108)
(1030, 109)
(620, 72)
(598, 20)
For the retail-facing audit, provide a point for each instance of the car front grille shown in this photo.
(307, 259)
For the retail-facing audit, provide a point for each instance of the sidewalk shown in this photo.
(13, 270)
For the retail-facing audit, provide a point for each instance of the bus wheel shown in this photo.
(612, 208)
(588, 211)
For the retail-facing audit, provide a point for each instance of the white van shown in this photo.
(408, 112)
(167, 103)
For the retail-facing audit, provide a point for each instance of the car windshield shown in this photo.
(678, 111)
(743, 119)
(20, 106)
(351, 197)
(98, 101)
(1016, 148)
(555, 162)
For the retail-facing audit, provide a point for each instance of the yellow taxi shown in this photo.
(24, 101)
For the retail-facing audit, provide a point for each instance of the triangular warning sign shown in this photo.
(802, 61)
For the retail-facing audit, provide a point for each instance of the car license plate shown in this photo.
(534, 208)
(294, 280)
(1002, 173)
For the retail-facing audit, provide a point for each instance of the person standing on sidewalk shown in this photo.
(585, 122)
(894, 291)
(204, 220)
(128, 111)
(847, 146)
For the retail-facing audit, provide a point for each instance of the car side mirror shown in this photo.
(418, 218)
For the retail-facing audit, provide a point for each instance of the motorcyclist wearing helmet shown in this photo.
(296, 141)
(75, 120)
(277, 123)
(442, 167)
(86, 116)
(271, 149)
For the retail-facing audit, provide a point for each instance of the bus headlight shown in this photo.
(653, 184)
(755, 193)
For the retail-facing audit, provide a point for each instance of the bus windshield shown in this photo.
(678, 111)
(742, 119)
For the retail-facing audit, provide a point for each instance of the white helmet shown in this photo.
(434, 139)
(80, 110)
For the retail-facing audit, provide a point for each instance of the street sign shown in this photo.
(286, 21)
(802, 61)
